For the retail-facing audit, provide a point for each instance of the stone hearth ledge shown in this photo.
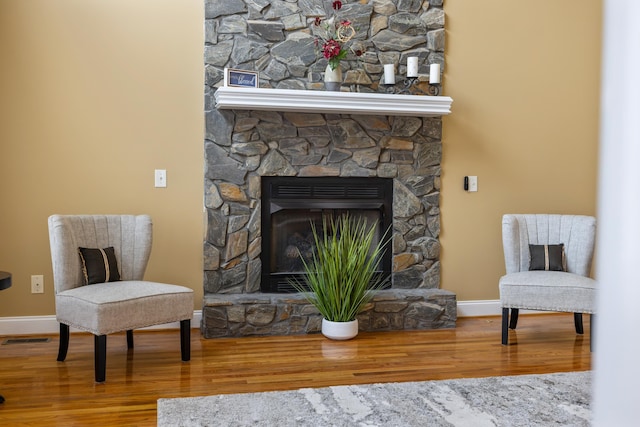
(314, 101)
(237, 315)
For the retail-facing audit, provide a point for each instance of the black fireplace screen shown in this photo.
(291, 205)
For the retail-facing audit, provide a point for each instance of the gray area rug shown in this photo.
(561, 399)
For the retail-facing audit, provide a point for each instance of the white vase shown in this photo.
(332, 78)
(339, 330)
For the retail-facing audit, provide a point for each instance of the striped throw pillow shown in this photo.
(547, 257)
(99, 265)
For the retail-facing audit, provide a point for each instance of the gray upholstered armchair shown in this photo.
(568, 288)
(100, 289)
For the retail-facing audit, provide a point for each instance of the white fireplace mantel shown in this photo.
(312, 101)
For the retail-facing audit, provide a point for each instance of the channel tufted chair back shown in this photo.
(576, 232)
(568, 290)
(115, 306)
(130, 235)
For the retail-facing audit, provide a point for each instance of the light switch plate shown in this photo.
(473, 184)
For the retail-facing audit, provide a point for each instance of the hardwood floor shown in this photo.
(40, 391)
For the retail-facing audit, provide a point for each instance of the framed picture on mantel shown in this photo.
(240, 78)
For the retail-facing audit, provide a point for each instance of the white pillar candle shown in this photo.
(412, 66)
(389, 74)
(434, 73)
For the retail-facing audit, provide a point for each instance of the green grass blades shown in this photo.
(341, 276)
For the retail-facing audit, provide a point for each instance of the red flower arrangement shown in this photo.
(338, 34)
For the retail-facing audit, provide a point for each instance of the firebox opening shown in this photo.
(291, 204)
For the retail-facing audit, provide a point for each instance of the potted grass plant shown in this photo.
(341, 277)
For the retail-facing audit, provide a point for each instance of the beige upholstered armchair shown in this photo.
(98, 267)
(548, 260)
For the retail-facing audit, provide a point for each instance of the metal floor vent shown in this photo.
(25, 340)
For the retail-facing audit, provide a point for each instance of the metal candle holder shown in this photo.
(410, 86)
(434, 89)
(388, 87)
(408, 83)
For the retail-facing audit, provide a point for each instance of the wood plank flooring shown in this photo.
(40, 391)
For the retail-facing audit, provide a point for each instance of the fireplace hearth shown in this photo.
(291, 204)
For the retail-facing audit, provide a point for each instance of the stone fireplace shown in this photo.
(244, 145)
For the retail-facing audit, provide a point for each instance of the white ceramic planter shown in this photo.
(339, 330)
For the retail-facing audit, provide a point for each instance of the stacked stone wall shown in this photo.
(276, 38)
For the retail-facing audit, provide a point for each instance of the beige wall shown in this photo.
(95, 95)
(524, 78)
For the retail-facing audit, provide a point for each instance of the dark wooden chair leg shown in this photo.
(514, 318)
(100, 357)
(185, 339)
(505, 324)
(129, 339)
(592, 318)
(577, 319)
(64, 342)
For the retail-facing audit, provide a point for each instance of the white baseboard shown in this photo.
(479, 308)
(32, 325)
(487, 308)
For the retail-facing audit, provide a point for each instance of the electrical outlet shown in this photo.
(161, 178)
(37, 284)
